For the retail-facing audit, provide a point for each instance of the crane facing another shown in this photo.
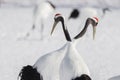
(73, 66)
(64, 63)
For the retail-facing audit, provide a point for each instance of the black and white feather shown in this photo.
(62, 64)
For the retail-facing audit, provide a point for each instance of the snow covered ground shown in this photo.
(101, 55)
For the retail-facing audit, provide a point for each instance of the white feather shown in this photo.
(48, 65)
(41, 12)
(63, 64)
(72, 65)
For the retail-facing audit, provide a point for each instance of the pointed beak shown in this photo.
(94, 32)
(54, 25)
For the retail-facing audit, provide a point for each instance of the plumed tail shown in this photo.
(29, 73)
(83, 77)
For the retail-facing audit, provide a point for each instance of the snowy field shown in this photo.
(102, 54)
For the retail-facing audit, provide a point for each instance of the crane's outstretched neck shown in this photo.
(94, 23)
(67, 35)
(83, 30)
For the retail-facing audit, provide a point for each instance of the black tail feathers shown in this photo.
(83, 77)
(29, 73)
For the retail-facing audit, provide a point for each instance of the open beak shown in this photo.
(94, 32)
(54, 25)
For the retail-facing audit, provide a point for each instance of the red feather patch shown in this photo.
(96, 19)
(57, 14)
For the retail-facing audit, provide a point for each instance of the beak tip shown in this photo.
(55, 23)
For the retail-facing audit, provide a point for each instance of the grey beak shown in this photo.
(94, 32)
(54, 25)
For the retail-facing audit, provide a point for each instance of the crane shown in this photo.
(41, 12)
(64, 63)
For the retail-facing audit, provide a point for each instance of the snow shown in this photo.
(101, 55)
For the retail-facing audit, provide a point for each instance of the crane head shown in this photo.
(58, 17)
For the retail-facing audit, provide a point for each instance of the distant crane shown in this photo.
(62, 64)
(76, 13)
(41, 12)
(104, 10)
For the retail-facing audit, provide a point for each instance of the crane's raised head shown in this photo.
(58, 17)
(95, 21)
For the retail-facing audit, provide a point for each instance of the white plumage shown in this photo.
(48, 65)
(41, 12)
(64, 63)
(72, 65)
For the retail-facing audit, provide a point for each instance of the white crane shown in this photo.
(73, 66)
(91, 12)
(53, 66)
(41, 12)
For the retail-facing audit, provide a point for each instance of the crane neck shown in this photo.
(65, 30)
(83, 30)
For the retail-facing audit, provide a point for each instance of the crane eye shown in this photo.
(96, 23)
